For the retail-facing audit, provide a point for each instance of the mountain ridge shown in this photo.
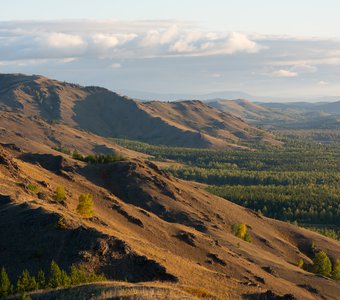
(108, 114)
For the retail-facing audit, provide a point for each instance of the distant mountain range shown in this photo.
(107, 114)
(149, 96)
(292, 115)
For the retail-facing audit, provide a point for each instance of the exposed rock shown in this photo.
(187, 237)
(216, 259)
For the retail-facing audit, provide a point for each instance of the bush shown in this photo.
(322, 264)
(63, 149)
(241, 231)
(300, 263)
(33, 188)
(336, 270)
(6, 287)
(79, 275)
(59, 194)
(85, 205)
(102, 159)
(76, 155)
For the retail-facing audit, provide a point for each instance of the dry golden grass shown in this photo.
(118, 290)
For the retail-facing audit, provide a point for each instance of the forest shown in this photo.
(298, 182)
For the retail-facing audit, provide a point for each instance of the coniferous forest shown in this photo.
(298, 182)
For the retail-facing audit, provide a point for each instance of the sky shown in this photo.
(261, 47)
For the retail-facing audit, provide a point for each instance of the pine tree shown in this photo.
(55, 275)
(336, 270)
(65, 279)
(75, 276)
(322, 264)
(5, 284)
(25, 282)
(241, 230)
(32, 284)
(41, 281)
(85, 205)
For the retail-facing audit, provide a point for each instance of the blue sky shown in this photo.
(272, 48)
(302, 17)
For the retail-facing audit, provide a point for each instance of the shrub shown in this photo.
(85, 205)
(336, 270)
(63, 149)
(247, 237)
(79, 275)
(322, 264)
(300, 263)
(59, 194)
(76, 155)
(241, 231)
(97, 158)
(33, 188)
(102, 159)
(6, 287)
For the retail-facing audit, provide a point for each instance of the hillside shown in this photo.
(107, 114)
(219, 128)
(283, 116)
(249, 111)
(148, 226)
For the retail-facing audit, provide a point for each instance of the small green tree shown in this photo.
(26, 282)
(75, 276)
(6, 287)
(65, 279)
(241, 231)
(55, 275)
(300, 263)
(336, 270)
(41, 280)
(322, 264)
(59, 194)
(85, 205)
(247, 237)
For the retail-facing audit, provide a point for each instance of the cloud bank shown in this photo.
(170, 56)
(55, 40)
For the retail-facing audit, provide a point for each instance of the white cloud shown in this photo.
(116, 66)
(91, 39)
(284, 73)
(62, 40)
(304, 68)
(323, 83)
(216, 75)
(238, 42)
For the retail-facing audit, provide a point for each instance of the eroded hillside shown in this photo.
(148, 226)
